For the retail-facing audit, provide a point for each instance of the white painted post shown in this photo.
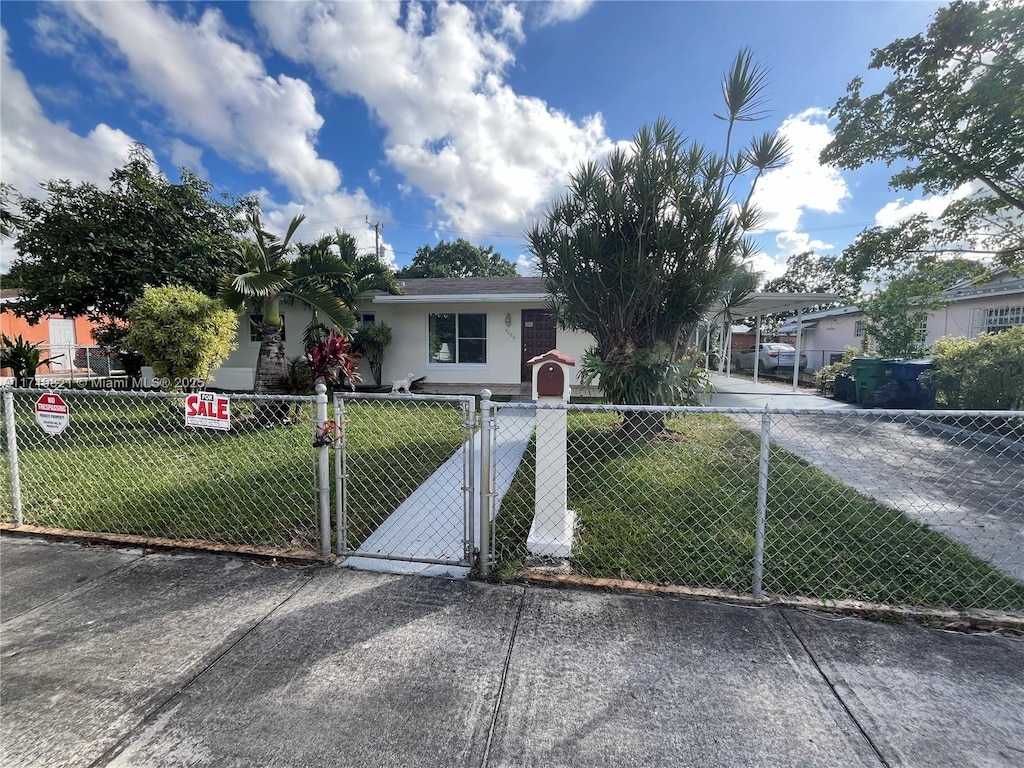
(12, 456)
(340, 477)
(323, 479)
(484, 561)
(553, 522)
(757, 348)
(796, 354)
(762, 502)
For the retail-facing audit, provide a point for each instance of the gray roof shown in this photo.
(471, 286)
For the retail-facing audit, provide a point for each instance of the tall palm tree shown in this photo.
(271, 276)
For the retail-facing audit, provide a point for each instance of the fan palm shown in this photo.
(271, 276)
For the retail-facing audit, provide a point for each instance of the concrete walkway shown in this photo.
(115, 658)
(733, 392)
(430, 524)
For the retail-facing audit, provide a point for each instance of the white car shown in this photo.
(772, 356)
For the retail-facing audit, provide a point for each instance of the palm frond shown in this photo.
(324, 302)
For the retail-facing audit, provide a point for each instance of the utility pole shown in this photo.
(377, 228)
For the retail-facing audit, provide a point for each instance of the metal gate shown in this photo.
(404, 477)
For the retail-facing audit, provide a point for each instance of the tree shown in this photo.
(895, 316)
(458, 259)
(183, 334)
(271, 276)
(87, 251)
(370, 342)
(645, 244)
(952, 114)
(808, 272)
(10, 222)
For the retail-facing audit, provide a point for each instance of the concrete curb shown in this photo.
(971, 619)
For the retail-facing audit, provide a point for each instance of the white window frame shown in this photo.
(434, 364)
(858, 329)
(1002, 318)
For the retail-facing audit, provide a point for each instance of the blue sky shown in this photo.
(438, 120)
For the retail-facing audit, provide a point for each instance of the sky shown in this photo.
(437, 121)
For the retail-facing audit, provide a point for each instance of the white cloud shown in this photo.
(217, 92)
(185, 155)
(488, 157)
(804, 184)
(33, 149)
(933, 206)
(560, 11)
(789, 243)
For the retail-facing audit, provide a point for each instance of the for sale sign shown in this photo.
(52, 414)
(208, 410)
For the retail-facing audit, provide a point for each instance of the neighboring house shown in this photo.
(972, 310)
(477, 330)
(60, 337)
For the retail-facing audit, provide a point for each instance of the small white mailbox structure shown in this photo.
(553, 523)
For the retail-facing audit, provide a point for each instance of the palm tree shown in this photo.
(271, 277)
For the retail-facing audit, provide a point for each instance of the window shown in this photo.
(858, 328)
(1001, 318)
(367, 319)
(254, 327)
(457, 338)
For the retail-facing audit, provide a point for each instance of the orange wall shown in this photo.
(12, 326)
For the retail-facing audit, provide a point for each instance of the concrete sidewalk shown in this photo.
(117, 658)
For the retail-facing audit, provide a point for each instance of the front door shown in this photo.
(62, 344)
(538, 336)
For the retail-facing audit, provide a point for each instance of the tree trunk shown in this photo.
(642, 425)
(271, 376)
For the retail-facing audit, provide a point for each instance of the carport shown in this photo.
(755, 307)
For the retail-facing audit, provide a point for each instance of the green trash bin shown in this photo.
(868, 373)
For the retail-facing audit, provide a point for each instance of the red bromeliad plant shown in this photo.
(333, 360)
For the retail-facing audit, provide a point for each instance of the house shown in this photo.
(972, 309)
(467, 331)
(64, 338)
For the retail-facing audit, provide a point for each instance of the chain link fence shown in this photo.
(895, 507)
(404, 477)
(126, 463)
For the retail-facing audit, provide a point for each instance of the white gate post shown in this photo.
(12, 456)
(323, 479)
(486, 436)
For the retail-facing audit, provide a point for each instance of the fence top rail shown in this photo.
(681, 409)
(401, 396)
(142, 394)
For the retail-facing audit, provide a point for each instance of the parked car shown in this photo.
(772, 356)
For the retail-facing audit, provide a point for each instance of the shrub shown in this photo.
(828, 371)
(984, 374)
(183, 334)
(370, 342)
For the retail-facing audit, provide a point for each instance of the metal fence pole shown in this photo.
(340, 477)
(12, 456)
(762, 501)
(486, 426)
(323, 484)
(468, 470)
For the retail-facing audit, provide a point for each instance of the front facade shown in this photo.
(971, 311)
(460, 331)
(59, 337)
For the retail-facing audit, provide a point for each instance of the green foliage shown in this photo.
(112, 337)
(808, 272)
(458, 259)
(352, 273)
(828, 371)
(952, 114)
(87, 251)
(646, 244)
(984, 374)
(370, 342)
(10, 222)
(646, 377)
(183, 334)
(24, 358)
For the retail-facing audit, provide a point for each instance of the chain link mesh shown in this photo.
(888, 507)
(127, 464)
(406, 476)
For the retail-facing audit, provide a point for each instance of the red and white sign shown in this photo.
(52, 414)
(208, 410)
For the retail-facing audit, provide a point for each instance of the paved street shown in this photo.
(117, 658)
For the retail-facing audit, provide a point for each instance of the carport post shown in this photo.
(12, 456)
(323, 480)
(762, 502)
(757, 346)
(796, 354)
(486, 435)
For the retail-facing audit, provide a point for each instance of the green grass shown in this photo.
(140, 471)
(681, 510)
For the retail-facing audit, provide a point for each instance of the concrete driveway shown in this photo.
(112, 657)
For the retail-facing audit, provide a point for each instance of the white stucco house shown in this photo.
(972, 310)
(461, 331)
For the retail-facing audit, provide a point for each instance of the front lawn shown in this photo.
(681, 510)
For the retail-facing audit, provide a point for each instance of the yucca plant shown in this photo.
(24, 358)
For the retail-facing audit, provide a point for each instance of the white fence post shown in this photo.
(12, 456)
(468, 481)
(324, 483)
(762, 502)
(340, 476)
(486, 426)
